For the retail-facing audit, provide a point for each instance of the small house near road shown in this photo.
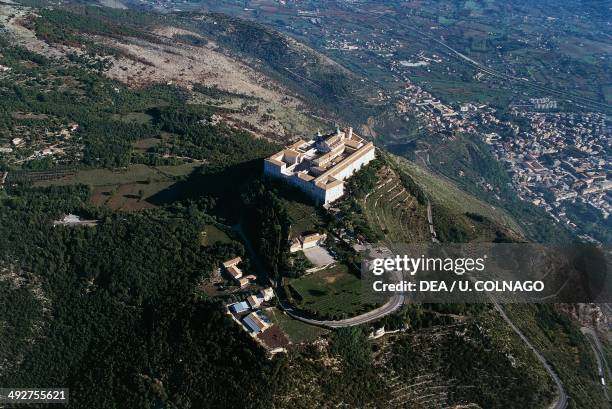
(312, 240)
(306, 242)
(267, 293)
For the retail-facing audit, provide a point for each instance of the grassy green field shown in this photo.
(213, 234)
(129, 196)
(133, 188)
(333, 292)
(297, 331)
(456, 91)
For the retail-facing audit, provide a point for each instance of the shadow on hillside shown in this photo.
(221, 190)
(223, 187)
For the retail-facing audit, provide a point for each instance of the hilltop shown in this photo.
(154, 127)
(141, 50)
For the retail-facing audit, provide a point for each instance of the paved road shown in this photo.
(603, 370)
(562, 395)
(432, 231)
(562, 401)
(395, 302)
(391, 306)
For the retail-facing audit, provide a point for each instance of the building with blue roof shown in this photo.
(239, 307)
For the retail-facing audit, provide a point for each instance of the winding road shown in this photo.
(396, 301)
(562, 399)
(603, 370)
(389, 307)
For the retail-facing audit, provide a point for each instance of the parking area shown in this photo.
(319, 256)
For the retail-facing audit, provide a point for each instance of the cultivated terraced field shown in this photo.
(446, 194)
(394, 212)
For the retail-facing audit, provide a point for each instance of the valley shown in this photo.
(193, 277)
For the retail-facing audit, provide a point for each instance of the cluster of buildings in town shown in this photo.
(437, 117)
(573, 144)
(255, 319)
(543, 103)
(250, 313)
(560, 157)
(319, 166)
(348, 40)
(432, 115)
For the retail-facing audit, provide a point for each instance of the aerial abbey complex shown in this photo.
(320, 166)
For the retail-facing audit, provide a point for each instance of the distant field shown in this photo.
(297, 331)
(132, 188)
(607, 91)
(134, 117)
(101, 177)
(331, 292)
(130, 196)
(142, 145)
(458, 91)
(213, 234)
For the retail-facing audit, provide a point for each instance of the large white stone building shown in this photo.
(320, 166)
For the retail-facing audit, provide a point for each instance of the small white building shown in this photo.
(74, 220)
(257, 322)
(267, 293)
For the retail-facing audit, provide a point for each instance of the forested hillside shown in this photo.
(110, 311)
(152, 128)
